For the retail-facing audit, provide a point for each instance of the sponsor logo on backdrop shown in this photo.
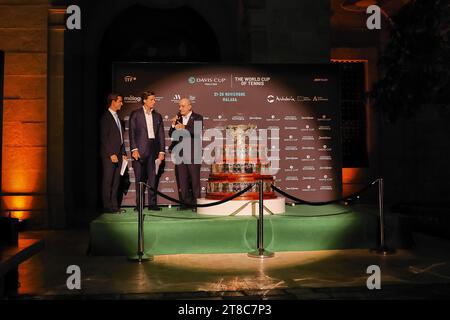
(291, 169)
(220, 117)
(303, 99)
(291, 148)
(291, 158)
(166, 180)
(308, 158)
(207, 81)
(325, 158)
(238, 118)
(309, 178)
(292, 188)
(290, 128)
(308, 189)
(324, 127)
(131, 99)
(324, 118)
(167, 190)
(273, 118)
(176, 98)
(291, 178)
(191, 80)
(325, 179)
(308, 138)
(318, 98)
(307, 128)
(290, 118)
(308, 168)
(254, 118)
(326, 168)
(326, 188)
(308, 148)
(271, 98)
(307, 118)
(320, 79)
(325, 148)
(290, 139)
(128, 79)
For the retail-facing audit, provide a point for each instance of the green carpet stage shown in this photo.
(173, 232)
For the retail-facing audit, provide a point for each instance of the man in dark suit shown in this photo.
(112, 150)
(147, 144)
(188, 170)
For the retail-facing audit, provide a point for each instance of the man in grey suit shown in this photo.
(188, 172)
(147, 144)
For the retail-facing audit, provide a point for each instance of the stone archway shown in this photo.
(88, 72)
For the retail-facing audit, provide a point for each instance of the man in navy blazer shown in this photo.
(112, 151)
(147, 144)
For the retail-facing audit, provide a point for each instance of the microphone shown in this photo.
(179, 118)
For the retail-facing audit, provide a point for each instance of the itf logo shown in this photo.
(191, 80)
(128, 79)
(270, 98)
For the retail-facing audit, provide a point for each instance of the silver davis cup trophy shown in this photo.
(245, 162)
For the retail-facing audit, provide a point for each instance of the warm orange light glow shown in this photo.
(21, 215)
(17, 202)
(24, 171)
(349, 175)
(23, 181)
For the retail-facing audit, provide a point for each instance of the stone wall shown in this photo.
(24, 39)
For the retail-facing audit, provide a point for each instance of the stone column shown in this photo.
(55, 130)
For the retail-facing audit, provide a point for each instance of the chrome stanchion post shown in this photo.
(383, 249)
(260, 252)
(141, 255)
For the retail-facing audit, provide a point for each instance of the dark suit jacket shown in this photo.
(110, 137)
(195, 139)
(139, 134)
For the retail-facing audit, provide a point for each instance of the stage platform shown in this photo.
(169, 231)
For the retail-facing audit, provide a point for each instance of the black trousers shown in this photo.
(144, 171)
(110, 184)
(188, 180)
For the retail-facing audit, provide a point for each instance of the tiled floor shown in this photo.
(420, 273)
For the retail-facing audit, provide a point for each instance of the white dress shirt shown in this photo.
(116, 118)
(149, 121)
(186, 118)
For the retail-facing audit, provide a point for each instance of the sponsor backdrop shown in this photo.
(301, 101)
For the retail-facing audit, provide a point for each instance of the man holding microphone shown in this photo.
(187, 170)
